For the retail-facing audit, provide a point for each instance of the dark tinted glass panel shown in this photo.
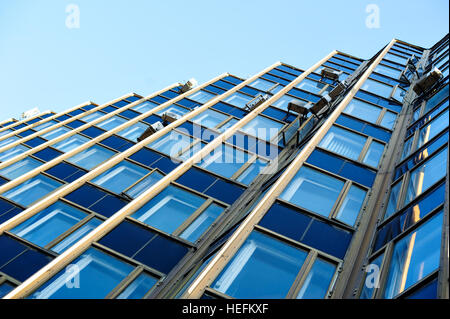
(117, 143)
(62, 118)
(129, 114)
(26, 264)
(75, 124)
(66, 172)
(196, 179)
(225, 191)
(35, 142)
(47, 154)
(93, 131)
(75, 112)
(145, 156)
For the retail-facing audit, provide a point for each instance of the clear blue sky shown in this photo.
(143, 46)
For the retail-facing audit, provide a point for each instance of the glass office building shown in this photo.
(317, 183)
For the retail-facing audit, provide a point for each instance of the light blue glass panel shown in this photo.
(201, 96)
(42, 126)
(313, 190)
(5, 132)
(343, 142)
(91, 276)
(311, 86)
(144, 184)
(209, 118)
(373, 154)
(388, 120)
(263, 128)
(238, 99)
(13, 152)
(9, 140)
(5, 288)
(227, 125)
(377, 88)
(49, 223)
(252, 171)
(407, 147)
(56, 133)
(396, 58)
(139, 287)
(91, 157)
(393, 199)
(414, 257)
(433, 128)
(399, 94)
(92, 116)
(436, 99)
(426, 175)
(201, 223)
(111, 123)
(134, 131)
(351, 206)
(169, 209)
(284, 101)
(172, 143)
(262, 84)
(120, 176)
(388, 71)
(370, 282)
(76, 235)
(178, 110)
(224, 160)
(363, 110)
(318, 280)
(144, 107)
(191, 151)
(262, 268)
(32, 190)
(70, 143)
(19, 168)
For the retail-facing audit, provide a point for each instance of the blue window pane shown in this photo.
(9, 140)
(35, 141)
(343, 142)
(76, 235)
(32, 190)
(238, 99)
(429, 291)
(66, 172)
(19, 168)
(169, 209)
(49, 223)
(56, 133)
(134, 131)
(117, 143)
(317, 281)
(91, 157)
(225, 160)
(283, 102)
(93, 132)
(178, 110)
(129, 114)
(120, 177)
(139, 287)
(247, 273)
(70, 143)
(95, 273)
(92, 116)
(433, 128)
(262, 84)
(5, 132)
(172, 143)
(201, 96)
(225, 191)
(311, 86)
(201, 223)
(26, 264)
(352, 204)
(377, 88)
(6, 288)
(209, 118)
(373, 154)
(313, 190)
(252, 171)
(111, 123)
(47, 154)
(196, 179)
(144, 184)
(414, 257)
(144, 107)
(227, 125)
(263, 128)
(388, 120)
(145, 157)
(13, 152)
(10, 249)
(367, 290)
(363, 110)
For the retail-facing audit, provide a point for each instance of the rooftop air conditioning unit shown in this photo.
(30, 113)
(427, 81)
(152, 129)
(298, 108)
(330, 74)
(189, 85)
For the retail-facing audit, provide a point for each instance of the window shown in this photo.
(144, 107)
(224, 160)
(42, 126)
(263, 267)
(169, 209)
(283, 102)
(32, 190)
(351, 206)
(238, 99)
(172, 143)
(388, 120)
(263, 128)
(19, 168)
(201, 96)
(9, 140)
(385, 70)
(396, 58)
(139, 287)
(134, 131)
(373, 154)
(76, 235)
(48, 224)
(433, 128)
(426, 175)
(250, 173)
(201, 223)
(55, 133)
(5, 132)
(70, 143)
(414, 257)
(111, 123)
(363, 110)
(13, 152)
(311, 86)
(393, 199)
(91, 157)
(262, 84)
(436, 99)
(178, 110)
(313, 190)
(377, 88)
(209, 118)
(343, 142)
(90, 269)
(227, 125)
(318, 280)
(120, 177)
(144, 184)
(93, 116)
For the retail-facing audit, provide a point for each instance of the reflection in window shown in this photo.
(91, 157)
(313, 190)
(209, 118)
(388, 120)
(13, 152)
(249, 174)
(55, 133)
(263, 267)
(76, 235)
(283, 102)
(363, 110)
(238, 99)
(414, 257)
(201, 96)
(373, 154)
(225, 160)
(262, 84)
(139, 287)
(201, 223)
(311, 86)
(433, 128)
(393, 199)
(378, 88)
(111, 123)
(343, 142)
(134, 131)
(352, 204)
(426, 175)
(370, 283)
(172, 143)
(178, 110)
(263, 128)
(70, 143)
(144, 107)
(318, 280)
(19, 168)
(144, 184)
